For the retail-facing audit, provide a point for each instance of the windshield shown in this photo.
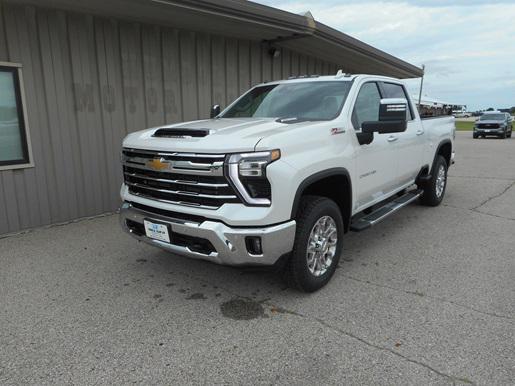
(492, 117)
(309, 101)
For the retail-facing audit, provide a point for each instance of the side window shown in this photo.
(392, 90)
(367, 104)
(14, 149)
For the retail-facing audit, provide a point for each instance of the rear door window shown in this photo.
(392, 90)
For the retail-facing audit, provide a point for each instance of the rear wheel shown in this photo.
(318, 244)
(435, 188)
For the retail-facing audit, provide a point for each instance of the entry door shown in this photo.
(376, 162)
(409, 144)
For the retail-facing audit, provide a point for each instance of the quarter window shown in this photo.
(367, 105)
(14, 149)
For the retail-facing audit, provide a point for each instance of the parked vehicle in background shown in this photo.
(284, 172)
(493, 123)
(460, 112)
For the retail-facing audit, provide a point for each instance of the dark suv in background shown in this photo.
(493, 123)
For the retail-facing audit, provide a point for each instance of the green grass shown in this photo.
(464, 125)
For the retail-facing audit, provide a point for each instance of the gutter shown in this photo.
(299, 26)
(245, 11)
(334, 36)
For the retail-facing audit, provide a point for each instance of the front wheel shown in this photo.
(318, 244)
(435, 188)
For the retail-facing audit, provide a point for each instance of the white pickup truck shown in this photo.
(280, 175)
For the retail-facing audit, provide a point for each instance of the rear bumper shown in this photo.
(226, 245)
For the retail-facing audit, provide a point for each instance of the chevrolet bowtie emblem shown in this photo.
(158, 164)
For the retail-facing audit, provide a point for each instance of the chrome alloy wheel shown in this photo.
(440, 181)
(321, 246)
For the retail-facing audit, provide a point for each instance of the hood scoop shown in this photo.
(176, 132)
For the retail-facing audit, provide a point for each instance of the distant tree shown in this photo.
(512, 110)
(490, 109)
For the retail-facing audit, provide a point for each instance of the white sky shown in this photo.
(468, 47)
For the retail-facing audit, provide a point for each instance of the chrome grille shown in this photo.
(178, 178)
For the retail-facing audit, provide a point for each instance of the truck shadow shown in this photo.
(199, 280)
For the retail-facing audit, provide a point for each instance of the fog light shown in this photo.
(254, 246)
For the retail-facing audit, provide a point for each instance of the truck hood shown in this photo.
(224, 135)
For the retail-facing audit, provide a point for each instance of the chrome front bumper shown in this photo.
(228, 242)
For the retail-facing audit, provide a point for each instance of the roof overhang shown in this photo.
(248, 20)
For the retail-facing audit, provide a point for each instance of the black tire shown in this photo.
(475, 136)
(296, 272)
(431, 195)
(503, 135)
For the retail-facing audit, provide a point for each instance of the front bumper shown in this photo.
(489, 131)
(227, 245)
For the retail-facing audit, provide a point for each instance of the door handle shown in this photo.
(420, 132)
(392, 138)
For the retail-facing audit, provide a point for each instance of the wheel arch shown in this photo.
(332, 183)
(445, 150)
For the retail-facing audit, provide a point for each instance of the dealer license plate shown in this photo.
(157, 231)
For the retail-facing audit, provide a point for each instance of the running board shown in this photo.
(386, 210)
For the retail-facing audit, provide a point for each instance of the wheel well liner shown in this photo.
(444, 149)
(332, 183)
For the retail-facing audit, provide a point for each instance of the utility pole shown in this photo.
(421, 85)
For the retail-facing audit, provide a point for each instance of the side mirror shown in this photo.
(392, 117)
(215, 111)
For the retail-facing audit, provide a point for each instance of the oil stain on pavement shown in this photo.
(196, 296)
(242, 309)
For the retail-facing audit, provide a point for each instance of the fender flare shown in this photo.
(440, 145)
(339, 171)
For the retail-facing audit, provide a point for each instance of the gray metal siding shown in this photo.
(91, 80)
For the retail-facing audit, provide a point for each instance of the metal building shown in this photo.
(77, 75)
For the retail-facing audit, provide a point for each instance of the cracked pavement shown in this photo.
(426, 297)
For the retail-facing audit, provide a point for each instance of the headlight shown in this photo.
(247, 172)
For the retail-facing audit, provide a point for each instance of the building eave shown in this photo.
(247, 20)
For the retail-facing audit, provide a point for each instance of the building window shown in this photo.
(14, 141)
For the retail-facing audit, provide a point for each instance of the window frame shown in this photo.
(383, 91)
(19, 92)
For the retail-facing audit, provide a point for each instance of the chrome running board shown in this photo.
(365, 222)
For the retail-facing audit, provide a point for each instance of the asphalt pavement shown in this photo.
(426, 297)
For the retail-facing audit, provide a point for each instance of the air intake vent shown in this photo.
(178, 133)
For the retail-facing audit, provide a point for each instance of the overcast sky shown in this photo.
(468, 46)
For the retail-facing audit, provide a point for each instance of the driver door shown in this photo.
(375, 163)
